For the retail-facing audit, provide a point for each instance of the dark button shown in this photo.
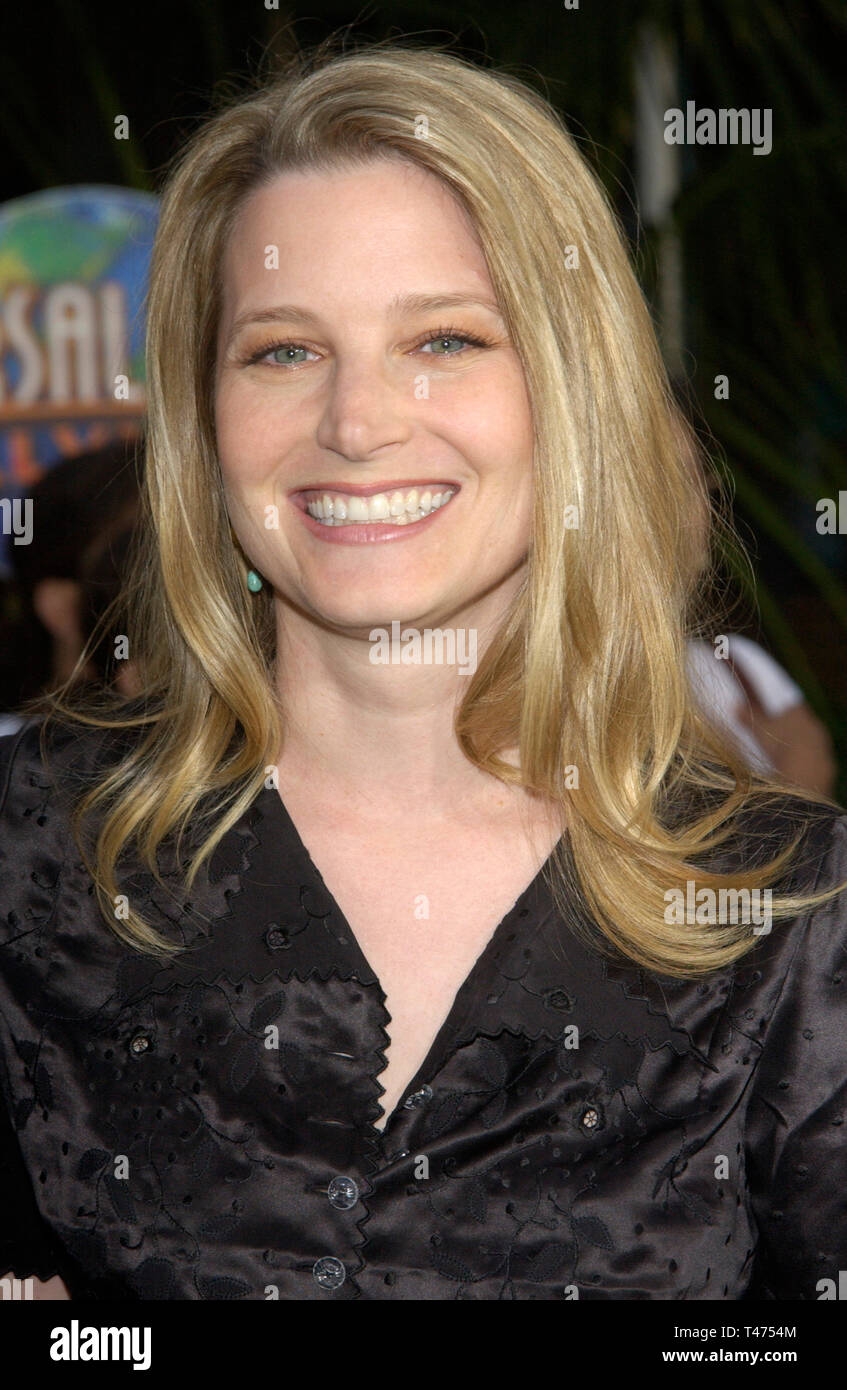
(328, 1272)
(140, 1043)
(276, 939)
(343, 1193)
(418, 1098)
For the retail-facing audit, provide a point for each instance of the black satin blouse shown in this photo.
(204, 1129)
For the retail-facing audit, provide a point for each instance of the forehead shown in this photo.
(387, 219)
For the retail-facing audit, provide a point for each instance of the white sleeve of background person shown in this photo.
(776, 690)
(721, 698)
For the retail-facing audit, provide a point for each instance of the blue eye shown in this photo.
(269, 350)
(442, 341)
(286, 348)
(451, 335)
(439, 336)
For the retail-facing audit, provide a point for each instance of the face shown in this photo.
(338, 389)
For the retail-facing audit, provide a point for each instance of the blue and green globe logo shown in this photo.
(73, 278)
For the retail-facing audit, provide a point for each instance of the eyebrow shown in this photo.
(400, 304)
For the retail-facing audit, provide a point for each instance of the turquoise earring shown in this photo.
(254, 583)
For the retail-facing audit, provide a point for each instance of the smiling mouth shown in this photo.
(393, 506)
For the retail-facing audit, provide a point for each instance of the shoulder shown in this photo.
(36, 836)
(816, 865)
(820, 931)
(767, 825)
(794, 980)
(793, 947)
(24, 781)
(795, 1153)
(53, 903)
(53, 760)
(45, 769)
(813, 835)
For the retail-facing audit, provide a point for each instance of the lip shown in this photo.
(300, 496)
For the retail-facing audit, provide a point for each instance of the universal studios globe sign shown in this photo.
(73, 278)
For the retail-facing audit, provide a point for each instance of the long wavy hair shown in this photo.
(588, 669)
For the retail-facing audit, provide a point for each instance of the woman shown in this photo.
(375, 977)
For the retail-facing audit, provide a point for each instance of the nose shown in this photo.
(367, 408)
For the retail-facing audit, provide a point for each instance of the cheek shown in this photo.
(491, 426)
(503, 417)
(226, 429)
(245, 439)
(505, 452)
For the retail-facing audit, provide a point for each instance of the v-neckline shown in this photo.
(464, 993)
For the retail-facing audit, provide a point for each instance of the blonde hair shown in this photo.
(588, 668)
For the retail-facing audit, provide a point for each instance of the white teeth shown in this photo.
(400, 508)
(378, 508)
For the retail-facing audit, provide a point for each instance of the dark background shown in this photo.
(762, 237)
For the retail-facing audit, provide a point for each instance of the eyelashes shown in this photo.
(252, 359)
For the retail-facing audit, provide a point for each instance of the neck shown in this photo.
(378, 737)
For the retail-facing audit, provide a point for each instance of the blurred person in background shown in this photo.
(744, 690)
(757, 702)
(84, 514)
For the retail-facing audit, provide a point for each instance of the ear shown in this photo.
(57, 603)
